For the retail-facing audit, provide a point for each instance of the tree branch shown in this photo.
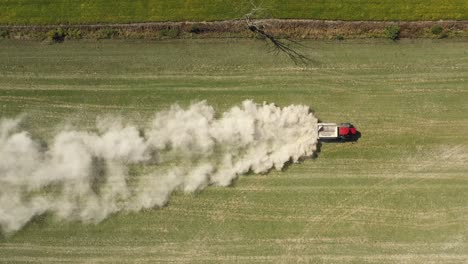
(279, 45)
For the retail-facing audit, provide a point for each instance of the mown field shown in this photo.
(399, 195)
(32, 12)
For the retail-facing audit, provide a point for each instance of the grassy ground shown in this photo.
(124, 11)
(398, 195)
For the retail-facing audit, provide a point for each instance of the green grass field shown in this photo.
(125, 11)
(399, 195)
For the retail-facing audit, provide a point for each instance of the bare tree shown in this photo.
(281, 46)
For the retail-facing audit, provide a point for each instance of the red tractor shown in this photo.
(337, 132)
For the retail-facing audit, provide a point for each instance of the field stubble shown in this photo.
(398, 195)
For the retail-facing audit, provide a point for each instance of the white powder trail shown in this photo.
(87, 176)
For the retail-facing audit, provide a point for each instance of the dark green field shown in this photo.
(399, 195)
(32, 12)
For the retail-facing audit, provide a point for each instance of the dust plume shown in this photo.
(87, 176)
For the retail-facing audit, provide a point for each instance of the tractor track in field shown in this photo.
(353, 199)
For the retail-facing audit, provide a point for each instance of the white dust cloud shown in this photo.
(87, 176)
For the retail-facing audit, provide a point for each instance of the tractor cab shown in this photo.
(347, 132)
